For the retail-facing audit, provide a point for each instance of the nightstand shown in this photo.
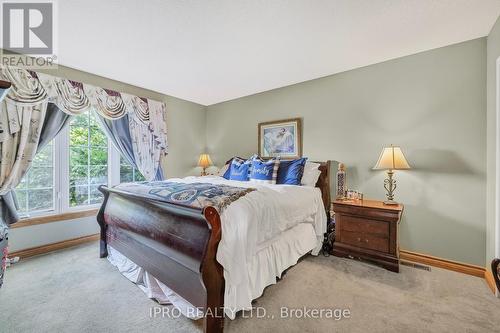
(368, 229)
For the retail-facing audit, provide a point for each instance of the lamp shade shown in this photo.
(204, 161)
(392, 158)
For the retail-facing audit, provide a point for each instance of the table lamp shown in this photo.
(204, 162)
(391, 158)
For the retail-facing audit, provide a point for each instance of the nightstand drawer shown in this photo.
(367, 241)
(367, 230)
(356, 224)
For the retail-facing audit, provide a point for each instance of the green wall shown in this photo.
(493, 52)
(433, 104)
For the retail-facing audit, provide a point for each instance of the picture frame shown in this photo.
(280, 138)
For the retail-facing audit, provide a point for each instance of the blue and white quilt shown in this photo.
(197, 195)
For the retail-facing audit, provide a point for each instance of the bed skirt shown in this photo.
(266, 266)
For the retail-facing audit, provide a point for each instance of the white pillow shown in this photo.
(311, 178)
(311, 166)
(311, 174)
(223, 170)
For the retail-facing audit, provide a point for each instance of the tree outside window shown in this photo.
(88, 164)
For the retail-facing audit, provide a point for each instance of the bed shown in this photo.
(180, 246)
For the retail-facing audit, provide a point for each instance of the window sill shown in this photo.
(54, 218)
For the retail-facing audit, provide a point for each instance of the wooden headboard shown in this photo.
(323, 183)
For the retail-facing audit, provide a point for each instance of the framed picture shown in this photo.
(281, 138)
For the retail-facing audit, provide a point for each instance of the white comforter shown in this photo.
(253, 222)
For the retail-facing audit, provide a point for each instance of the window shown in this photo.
(129, 173)
(35, 192)
(66, 174)
(88, 160)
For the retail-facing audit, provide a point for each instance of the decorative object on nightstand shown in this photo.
(391, 158)
(204, 162)
(353, 195)
(341, 181)
(368, 229)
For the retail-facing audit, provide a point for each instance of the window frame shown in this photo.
(61, 151)
(45, 212)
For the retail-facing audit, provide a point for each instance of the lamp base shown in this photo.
(390, 203)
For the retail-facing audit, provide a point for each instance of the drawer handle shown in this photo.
(366, 240)
(359, 239)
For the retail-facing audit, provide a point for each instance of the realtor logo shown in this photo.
(29, 31)
(28, 28)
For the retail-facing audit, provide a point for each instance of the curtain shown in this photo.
(55, 121)
(22, 114)
(38, 106)
(145, 152)
(147, 134)
(119, 133)
(107, 103)
(135, 125)
(22, 127)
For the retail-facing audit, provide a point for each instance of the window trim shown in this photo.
(62, 209)
(62, 140)
(49, 218)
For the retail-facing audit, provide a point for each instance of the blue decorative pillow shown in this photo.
(228, 171)
(239, 169)
(264, 171)
(290, 172)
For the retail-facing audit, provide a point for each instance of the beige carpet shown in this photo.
(75, 291)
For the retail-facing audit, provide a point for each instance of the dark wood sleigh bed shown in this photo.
(176, 244)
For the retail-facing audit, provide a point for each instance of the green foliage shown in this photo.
(88, 168)
(128, 173)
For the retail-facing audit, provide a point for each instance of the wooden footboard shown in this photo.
(174, 243)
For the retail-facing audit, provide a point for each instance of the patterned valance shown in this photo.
(146, 116)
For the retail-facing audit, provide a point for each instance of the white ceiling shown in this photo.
(209, 51)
